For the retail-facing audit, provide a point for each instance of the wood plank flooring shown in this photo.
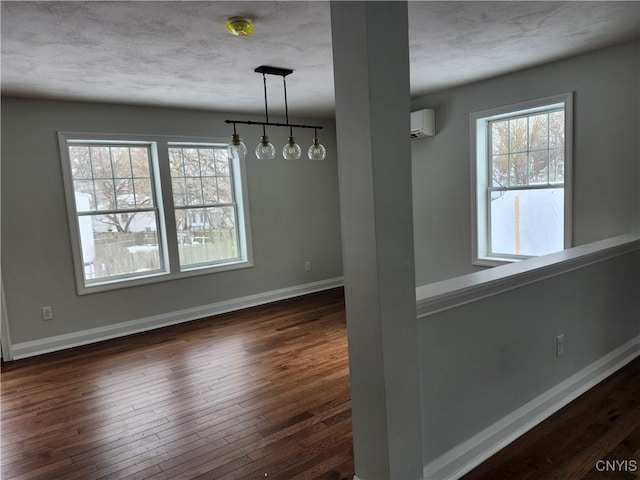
(601, 425)
(261, 393)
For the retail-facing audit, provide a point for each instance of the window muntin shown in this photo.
(527, 150)
(116, 209)
(525, 193)
(521, 164)
(121, 189)
(205, 208)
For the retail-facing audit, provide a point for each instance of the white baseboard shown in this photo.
(469, 454)
(84, 337)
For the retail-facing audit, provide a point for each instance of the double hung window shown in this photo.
(521, 164)
(149, 209)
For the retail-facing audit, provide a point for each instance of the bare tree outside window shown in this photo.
(527, 150)
(205, 209)
(526, 182)
(116, 209)
(150, 209)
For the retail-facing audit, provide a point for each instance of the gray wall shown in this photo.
(606, 183)
(294, 212)
(496, 354)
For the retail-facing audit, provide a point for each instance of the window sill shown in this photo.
(494, 262)
(161, 277)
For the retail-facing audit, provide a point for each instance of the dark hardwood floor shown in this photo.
(261, 393)
(596, 437)
(264, 391)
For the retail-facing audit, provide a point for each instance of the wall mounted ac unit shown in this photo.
(423, 123)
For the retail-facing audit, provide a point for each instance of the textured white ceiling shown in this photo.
(179, 53)
(457, 42)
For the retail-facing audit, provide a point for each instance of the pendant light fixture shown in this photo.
(316, 150)
(265, 150)
(236, 149)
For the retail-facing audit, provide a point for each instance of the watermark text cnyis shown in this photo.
(617, 465)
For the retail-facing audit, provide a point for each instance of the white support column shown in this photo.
(371, 68)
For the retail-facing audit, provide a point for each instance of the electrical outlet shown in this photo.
(307, 266)
(47, 313)
(559, 345)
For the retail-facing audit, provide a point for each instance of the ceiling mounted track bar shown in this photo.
(272, 124)
(267, 70)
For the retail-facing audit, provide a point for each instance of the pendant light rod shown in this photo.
(286, 106)
(272, 124)
(266, 110)
(282, 72)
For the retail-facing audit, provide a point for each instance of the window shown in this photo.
(521, 167)
(147, 210)
(205, 210)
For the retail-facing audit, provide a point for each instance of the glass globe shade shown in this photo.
(265, 150)
(317, 151)
(237, 149)
(292, 150)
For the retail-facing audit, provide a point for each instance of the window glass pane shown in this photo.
(80, 162)
(538, 131)
(194, 191)
(206, 235)
(119, 245)
(144, 193)
(222, 162)
(204, 180)
(518, 169)
(140, 162)
(225, 190)
(105, 195)
(84, 196)
(210, 190)
(101, 162)
(83, 186)
(207, 164)
(518, 135)
(175, 162)
(109, 172)
(538, 167)
(125, 193)
(191, 162)
(556, 129)
(499, 171)
(121, 163)
(499, 137)
(500, 166)
(527, 222)
(179, 192)
(556, 165)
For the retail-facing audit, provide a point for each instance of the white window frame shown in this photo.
(161, 177)
(480, 162)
